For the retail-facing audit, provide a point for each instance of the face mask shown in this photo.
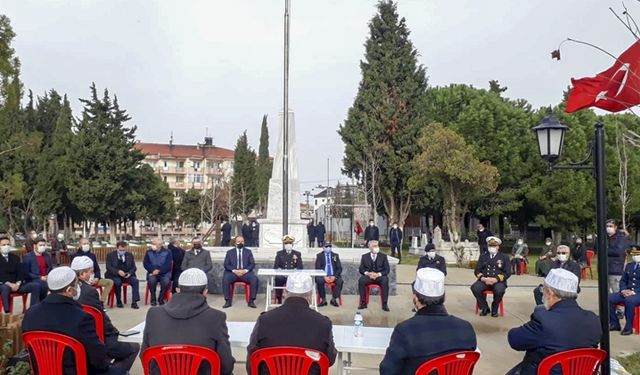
(578, 242)
(5, 249)
(376, 250)
(611, 230)
(636, 258)
(85, 248)
(41, 249)
(78, 290)
(34, 236)
(563, 257)
(395, 226)
(520, 242)
(121, 252)
(240, 245)
(548, 243)
(431, 254)
(288, 247)
(327, 250)
(60, 238)
(197, 246)
(493, 250)
(370, 224)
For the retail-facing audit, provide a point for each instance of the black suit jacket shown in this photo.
(321, 263)
(11, 269)
(381, 265)
(89, 296)
(288, 261)
(113, 267)
(63, 315)
(438, 263)
(231, 260)
(371, 233)
(283, 327)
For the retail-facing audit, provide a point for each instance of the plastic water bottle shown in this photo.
(358, 325)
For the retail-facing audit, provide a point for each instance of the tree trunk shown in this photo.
(113, 228)
(501, 226)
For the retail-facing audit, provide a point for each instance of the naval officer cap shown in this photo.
(60, 278)
(81, 263)
(494, 241)
(563, 280)
(288, 239)
(429, 282)
(299, 283)
(193, 277)
(635, 249)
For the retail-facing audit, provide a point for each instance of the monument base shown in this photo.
(271, 233)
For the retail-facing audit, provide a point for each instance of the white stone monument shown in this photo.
(271, 226)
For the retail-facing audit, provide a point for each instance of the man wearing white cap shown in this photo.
(420, 338)
(286, 259)
(294, 324)
(187, 319)
(60, 313)
(558, 325)
(493, 270)
(123, 353)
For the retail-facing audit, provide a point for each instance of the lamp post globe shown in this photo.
(550, 134)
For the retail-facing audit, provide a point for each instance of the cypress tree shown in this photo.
(244, 188)
(264, 167)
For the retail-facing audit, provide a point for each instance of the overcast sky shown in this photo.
(187, 66)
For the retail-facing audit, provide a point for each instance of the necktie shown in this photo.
(240, 259)
(329, 266)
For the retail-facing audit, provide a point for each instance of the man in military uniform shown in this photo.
(562, 261)
(492, 271)
(629, 294)
(432, 260)
(286, 259)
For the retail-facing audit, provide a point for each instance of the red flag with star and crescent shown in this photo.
(614, 90)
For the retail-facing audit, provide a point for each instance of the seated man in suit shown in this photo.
(374, 268)
(421, 338)
(122, 353)
(562, 261)
(121, 268)
(432, 260)
(286, 259)
(177, 254)
(187, 319)
(329, 261)
(238, 266)
(60, 313)
(12, 276)
(629, 294)
(157, 263)
(37, 265)
(294, 324)
(197, 257)
(106, 284)
(557, 326)
(492, 271)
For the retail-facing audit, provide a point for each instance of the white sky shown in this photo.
(185, 66)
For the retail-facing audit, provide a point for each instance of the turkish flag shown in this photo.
(358, 229)
(614, 90)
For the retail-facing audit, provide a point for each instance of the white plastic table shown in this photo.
(374, 341)
(272, 273)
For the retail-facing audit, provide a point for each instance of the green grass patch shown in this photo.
(631, 363)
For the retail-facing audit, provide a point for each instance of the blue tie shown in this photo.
(329, 268)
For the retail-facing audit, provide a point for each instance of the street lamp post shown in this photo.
(550, 135)
(285, 125)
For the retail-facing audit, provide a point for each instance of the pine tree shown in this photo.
(382, 126)
(244, 187)
(264, 167)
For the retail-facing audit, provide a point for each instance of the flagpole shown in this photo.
(285, 126)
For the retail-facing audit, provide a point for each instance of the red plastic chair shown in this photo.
(99, 319)
(167, 294)
(459, 363)
(371, 287)
(490, 293)
(46, 349)
(636, 318)
(578, 361)
(590, 254)
(180, 359)
(523, 267)
(247, 289)
(16, 295)
(332, 285)
(112, 295)
(288, 360)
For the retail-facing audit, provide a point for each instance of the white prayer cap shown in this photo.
(60, 277)
(192, 277)
(299, 283)
(563, 280)
(81, 263)
(429, 282)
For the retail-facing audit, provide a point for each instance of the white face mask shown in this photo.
(85, 248)
(563, 257)
(5, 249)
(60, 238)
(376, 250)
(611, 230)
(520, 242)
(78, 290)
(636, 258)
(493, 250)
(548, 243)
(288, 247)
(370, 224)
(431, 254)
(395, 226)
(41, 249)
